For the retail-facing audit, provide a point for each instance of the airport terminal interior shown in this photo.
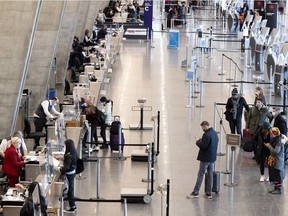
(180, 77)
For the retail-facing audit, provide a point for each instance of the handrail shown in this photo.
(26, 65)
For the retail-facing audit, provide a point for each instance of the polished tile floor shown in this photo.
(156, 74)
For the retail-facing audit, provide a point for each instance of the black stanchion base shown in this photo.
(226, 172)
(220, 154)
(194, 97)
(229, 79)
(221, 74)
(231, 184)
(121, 158)
(234, 85)
(196, 92)
(200, 106)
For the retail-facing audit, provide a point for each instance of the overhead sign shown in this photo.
(148, 14)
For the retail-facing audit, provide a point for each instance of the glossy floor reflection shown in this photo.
(156, 74)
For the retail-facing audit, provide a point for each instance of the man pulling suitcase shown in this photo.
(207, 157)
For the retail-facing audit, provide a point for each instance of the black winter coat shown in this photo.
(208, 146)
(281, 124)
(229, 105)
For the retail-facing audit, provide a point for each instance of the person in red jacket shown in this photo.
(12, 163)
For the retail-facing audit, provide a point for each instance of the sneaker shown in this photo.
(262, 178)
(104, 146)
(71, 210)
(95, 148)
(277, 191)
(209, 195)
(267, 179)
(192, 195)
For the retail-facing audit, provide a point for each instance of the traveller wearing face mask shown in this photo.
(12, 163)
(207, 156)
(43, 112)
(279, 121)
(259, 95)
(276, 162)
(234, 110)
(257, 116)
(6, 143)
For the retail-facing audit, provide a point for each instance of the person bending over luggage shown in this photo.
(207, 157)
(261, 136)
(92, 117)
(43, 112)
(234, 110)
(276, 160)
(279, 120)
(12, 163)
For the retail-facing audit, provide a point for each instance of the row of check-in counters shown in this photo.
(39, 168)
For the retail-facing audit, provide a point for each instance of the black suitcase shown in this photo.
(216, 182)
(114, 129)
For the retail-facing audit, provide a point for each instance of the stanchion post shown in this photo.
(221, 135)
(232, 184)
(222, 66)
(125, 207)
(235, 77)
(271, 78)
(215, 117)
(120, 141)
(227, 161)
(201, 95)
(89, 140)
(230, 71)
(168, 197)
(158, 134)
(98, 180)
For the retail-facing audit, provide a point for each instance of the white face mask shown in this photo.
(257, 93)
(19, 146)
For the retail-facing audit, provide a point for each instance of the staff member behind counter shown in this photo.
(42, 112)
(6, 143)
(12, 163)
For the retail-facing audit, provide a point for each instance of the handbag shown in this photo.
(80, 166)
(271, 161)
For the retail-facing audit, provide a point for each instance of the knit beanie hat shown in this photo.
(266, 125)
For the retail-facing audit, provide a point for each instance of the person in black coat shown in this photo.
(69, 169)
(279, 121)
(207, 157)
(102, 33)
(234, 110)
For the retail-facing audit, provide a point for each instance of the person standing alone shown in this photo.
(207, 157)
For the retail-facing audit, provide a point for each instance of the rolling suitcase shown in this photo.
(114, 135)
(114, 142)
(216, 182)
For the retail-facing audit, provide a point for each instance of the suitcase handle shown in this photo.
(116, 118)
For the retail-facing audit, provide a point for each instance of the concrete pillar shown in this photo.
(66, 37)
(16, 23)
(44, 51)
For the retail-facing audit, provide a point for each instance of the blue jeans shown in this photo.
(209, 166)
(70, 194)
